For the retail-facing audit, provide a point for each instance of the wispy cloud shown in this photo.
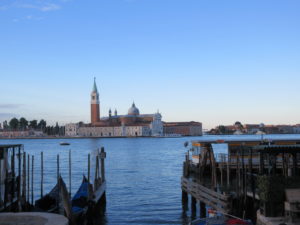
(5, 116)
(10, 106)
(44, 7)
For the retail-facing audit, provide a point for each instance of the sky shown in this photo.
(213, 61)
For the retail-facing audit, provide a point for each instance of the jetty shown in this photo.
(17, 186)
(259, 180)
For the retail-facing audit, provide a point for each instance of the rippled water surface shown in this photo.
(143, 174)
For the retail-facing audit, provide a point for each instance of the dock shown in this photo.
(251, 178)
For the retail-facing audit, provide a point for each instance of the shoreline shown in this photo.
(63, 137)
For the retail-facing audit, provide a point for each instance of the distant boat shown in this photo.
(64, 143)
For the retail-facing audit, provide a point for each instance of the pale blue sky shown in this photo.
(211, 61)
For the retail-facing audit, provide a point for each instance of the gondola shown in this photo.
(80, 200)
(49, 202)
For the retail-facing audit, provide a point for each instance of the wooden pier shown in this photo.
(239, 182)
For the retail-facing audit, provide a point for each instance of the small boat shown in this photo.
(80, 200)
(218, 218)
(64, 143)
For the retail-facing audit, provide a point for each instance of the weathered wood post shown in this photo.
(184, 200)
(202, 210)
(32, 168)
(70, 173)
(1, 180)
(102, 156)
(221, 168)
(261, 163)
(57, 162)
(193, 207)
(24, 178)
(19, 177)
(12, 191)
(28, 178)
(228, 168)
(42, 173)
(89, 166)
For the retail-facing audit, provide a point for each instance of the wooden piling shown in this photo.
(57, 165)
(1, 181)
(32, 168)
(193, 207)
(102, 156)
(202, 210)
(12, 190)
(42, 173)
(228, 170)
(89, 166)
(28, 178)
(19, 177)
(184, 197)
(24, 178)
(221, 169)
(70, 173)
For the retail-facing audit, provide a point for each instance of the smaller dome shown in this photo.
(133, 110)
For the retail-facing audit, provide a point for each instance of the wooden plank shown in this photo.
(204, 189)
(209, 197)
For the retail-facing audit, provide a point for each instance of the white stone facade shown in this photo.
(71, 129)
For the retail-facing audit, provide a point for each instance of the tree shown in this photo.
(23, 123)
(14, 123)
(42, 124)
(56, 129)
(33, 124)
(222, 129)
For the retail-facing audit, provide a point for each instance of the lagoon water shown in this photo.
(143, 174)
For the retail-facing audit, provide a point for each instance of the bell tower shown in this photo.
(95, 104)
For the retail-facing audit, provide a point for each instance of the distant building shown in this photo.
(131, 124)
(71, 129)
(183, 128)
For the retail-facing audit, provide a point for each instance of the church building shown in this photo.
(133, 124)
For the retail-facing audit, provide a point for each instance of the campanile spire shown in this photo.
(95, 104)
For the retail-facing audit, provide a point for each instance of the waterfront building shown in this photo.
(132, 124)
(183, 128)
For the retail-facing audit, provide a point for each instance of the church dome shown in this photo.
(133, 110)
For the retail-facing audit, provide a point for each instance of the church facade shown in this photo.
(133, 124)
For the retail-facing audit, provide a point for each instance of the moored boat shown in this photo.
(80, 200)
(64, 143)
(217, 218)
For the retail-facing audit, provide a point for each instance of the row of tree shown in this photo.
(23, 124)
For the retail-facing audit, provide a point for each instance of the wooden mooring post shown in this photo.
(28, 178)
(70, 173)
(32, 168)
(57, 164)
(193, 207)
(102, 156)
(42, 173)
(24, 179)
(89, 167)
(202, 209)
